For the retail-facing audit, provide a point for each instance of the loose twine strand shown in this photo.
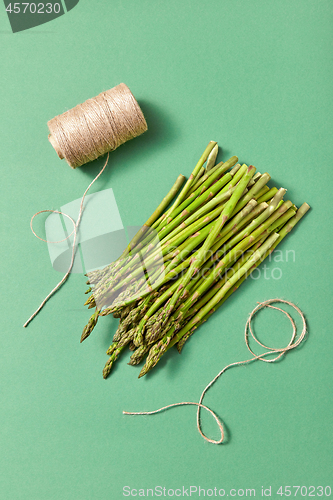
(86, 132)
(97, 126)
(75, 230)
(257, 357)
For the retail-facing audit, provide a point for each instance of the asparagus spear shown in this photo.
(158, 212)
(205, 210)
(189, 182)
(268, 195)
(211, 158)
(199, 174)
(90, 325)
(252, 192)
(108, 365)
(138, 355)
(236, 223)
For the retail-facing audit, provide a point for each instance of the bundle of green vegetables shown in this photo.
(189, 258)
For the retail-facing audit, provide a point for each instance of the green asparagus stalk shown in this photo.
(189, 182)
(139, 354)
(156, 214)
(205, 183)
(268, 195)
(198, 215)
(190, 206)
(280, 222)
(185, 229)
(271, 208)
(90, 325)
(199, 174)
(212, 158)
(203, 178)
(196, 202)
(110, 362)
(235, 169)
(252, 192)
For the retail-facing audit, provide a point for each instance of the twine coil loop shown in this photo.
(97, 126)
(257, 357)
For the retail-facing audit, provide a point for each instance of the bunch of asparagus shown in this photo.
(187, 259)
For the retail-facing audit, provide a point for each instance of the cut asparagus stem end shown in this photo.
(212, 158)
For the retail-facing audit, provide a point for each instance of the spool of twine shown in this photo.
(97, 126)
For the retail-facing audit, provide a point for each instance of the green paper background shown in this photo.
(256, 76)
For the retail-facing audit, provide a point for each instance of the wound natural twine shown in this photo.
(97, 126)
(85, 133)
(257, 357)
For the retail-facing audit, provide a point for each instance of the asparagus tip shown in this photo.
(84, 336)
(89, 300)
(144, 370)
(107, 370)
